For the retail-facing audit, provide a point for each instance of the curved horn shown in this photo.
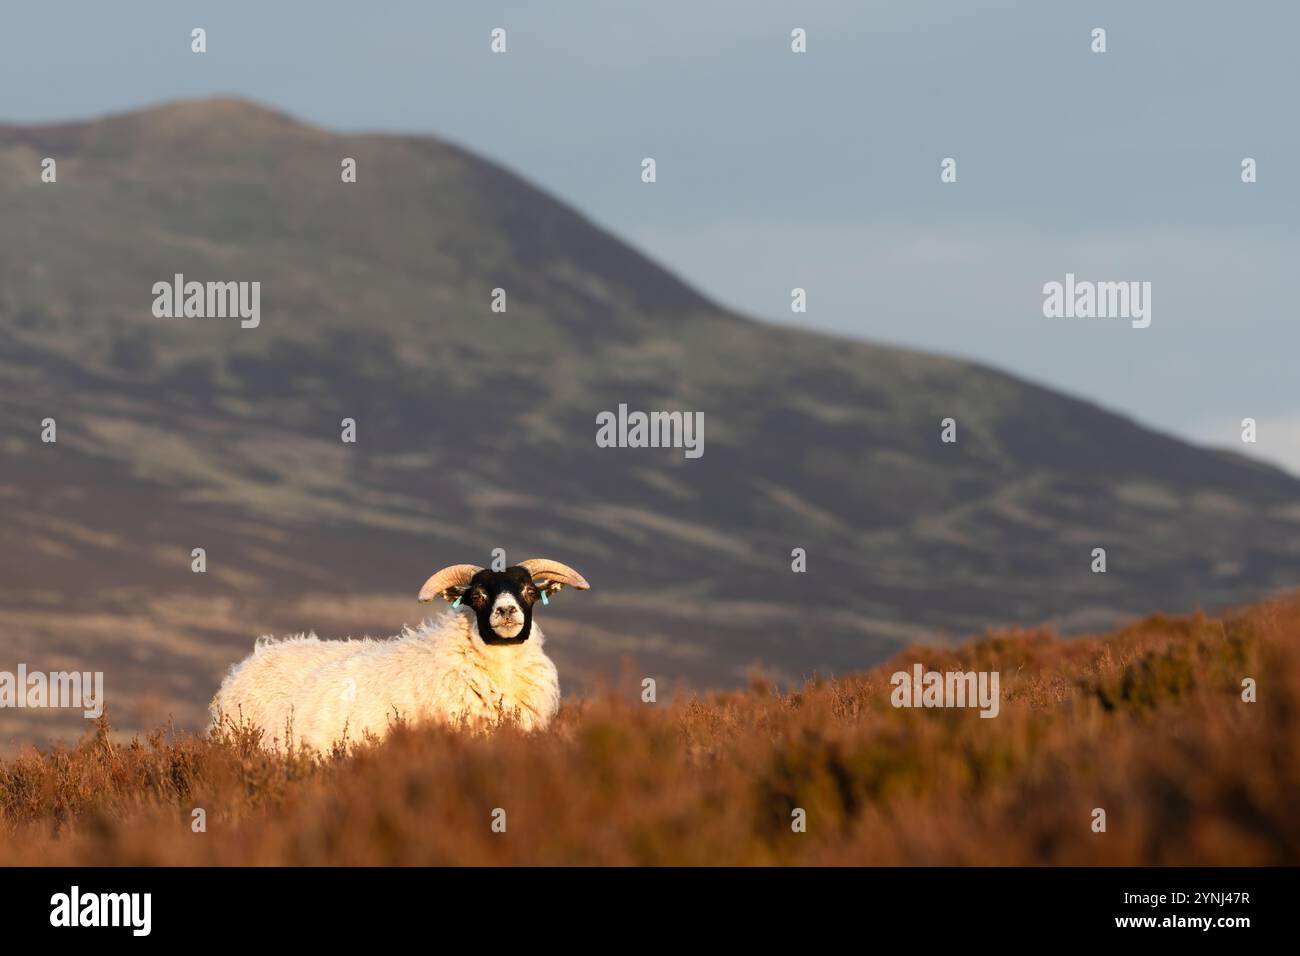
(552, 575)
(450, 582)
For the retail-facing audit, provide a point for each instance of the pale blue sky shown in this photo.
(822, 170)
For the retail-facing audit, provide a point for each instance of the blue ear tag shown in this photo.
(544, 600)
(456, 603)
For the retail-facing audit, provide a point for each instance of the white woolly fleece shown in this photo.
(439, 671)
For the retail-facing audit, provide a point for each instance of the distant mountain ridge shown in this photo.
(476, 430)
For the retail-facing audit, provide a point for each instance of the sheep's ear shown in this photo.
(449, 583)
(550, 576)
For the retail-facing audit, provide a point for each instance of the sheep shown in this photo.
(475, 665)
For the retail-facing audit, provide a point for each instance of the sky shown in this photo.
(821, 170)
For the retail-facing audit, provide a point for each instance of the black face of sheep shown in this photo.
(502, 601)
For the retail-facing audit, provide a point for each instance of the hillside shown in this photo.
(1147, 724)
(476, 431)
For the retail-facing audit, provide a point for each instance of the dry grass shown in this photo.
(1147, 723)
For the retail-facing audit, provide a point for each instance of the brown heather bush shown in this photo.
(1147, 723)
